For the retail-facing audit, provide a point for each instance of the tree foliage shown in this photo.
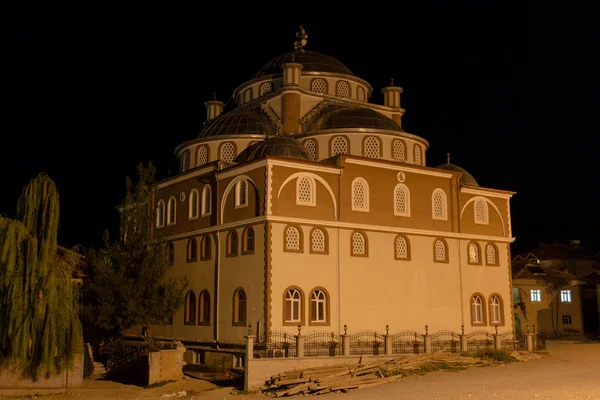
(128, 283)
(39, 321)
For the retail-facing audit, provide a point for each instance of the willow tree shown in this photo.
(39, 322)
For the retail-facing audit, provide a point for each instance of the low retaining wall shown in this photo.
(68, 378)
(165, 365)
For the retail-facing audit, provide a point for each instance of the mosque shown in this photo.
(309, 206)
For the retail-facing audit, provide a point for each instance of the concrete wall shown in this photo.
(165, 365)
(68, 378)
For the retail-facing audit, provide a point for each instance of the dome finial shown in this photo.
(214, 95)
(392, 81)
(302, 39)
(448, 158)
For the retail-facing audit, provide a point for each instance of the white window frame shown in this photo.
(477, 306)
(535, 295)
(172, 198)
(444, 216)
(313, 197)
(407, 213)
(487, 254)
(366, 195)
(398, 238)
(355, 234)
(206, 205)
(161, 215)
(312, 241)
(239, 202)
(435, 257)
(565, 296)
(314, 298)
(193, 205)
(289, 297)
(495, 309)
(486, 218)
(476, 252)
(286, 239)
(419, 150)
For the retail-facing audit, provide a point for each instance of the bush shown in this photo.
(493, 354)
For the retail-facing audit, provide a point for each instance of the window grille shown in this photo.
(266, 88)
(439, 204)
(358, 243)
(440, 251)
(491, 254)
(481, 216)
(473, 254)
(360, 195)
(317, 241)
(292, 238)
(360, 94)
(371, 147)
(401, 201)
(417, 154)
(339, 145)
(398, 150)
(305, 191)
(319, 86)
(311, 146)
(343, 89)
(401, 248)
(248, 95)
(202, 155)
(228, 152)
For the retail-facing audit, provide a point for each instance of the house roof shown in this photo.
(557, 251)
(535, 271)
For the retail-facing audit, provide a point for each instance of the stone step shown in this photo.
(99, 371)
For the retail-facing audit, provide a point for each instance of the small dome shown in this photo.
(279, 146)
(310, 60)
(465, 178)
(344, 117)
(247, 121)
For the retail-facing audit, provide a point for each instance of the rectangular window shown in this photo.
(536, 295)
(565, 296)
(566, 320)
(516, 295)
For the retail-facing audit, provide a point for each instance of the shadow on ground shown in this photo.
(227, 378)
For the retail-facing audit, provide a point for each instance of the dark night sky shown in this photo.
(87, 91)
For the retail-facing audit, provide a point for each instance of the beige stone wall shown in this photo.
(69, 378)
(165, 365)
(256, 197)
(497, 211)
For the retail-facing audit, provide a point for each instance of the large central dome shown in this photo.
(310, 60)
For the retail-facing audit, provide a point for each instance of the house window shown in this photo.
(401, 200)
(495, 310)
(248, 241)
(232, 244)
(343, 89)
(339, 145)
(566, 320)
(439, 206)
(473, 253)
(318, 242)
(160, 214)
(266, 88)
(204, 308)
(371, 148)
(481, 212)
(311, 147)
(359, 244)
(536, 295)
(360, 195)
(205, 248)
(305, 191)
(201, 155)
(360, 94)
(241, 193)
(401, 248)
(293, 305)
(417, 154)
(490, 255)
(171, 211)
(192, 250)
(239, 307)
(318, 306)
(439, 249)
(193, 204)
(293, 239)
(185, 160)
(228, 152)
(248, 95)
(565, 296)
(206, 200)
(477, 308)
(189, 312)
(318, 86)
(398, 151)
(171, 253)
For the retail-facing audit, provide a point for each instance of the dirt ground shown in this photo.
(571, 371)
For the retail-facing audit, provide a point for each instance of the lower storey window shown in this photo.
(566, 320)
(317, 306)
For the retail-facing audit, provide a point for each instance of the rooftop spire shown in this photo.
(448, 158)
(392, 81)
(302, 39)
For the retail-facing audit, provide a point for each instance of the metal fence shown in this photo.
(278, 344)
(367, 342)
(479, 340)
(408, 342)
(323, 343)
(445, 341)
(539, 341)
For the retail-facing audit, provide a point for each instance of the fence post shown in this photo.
(427, 343)
(299, 343)
(250, 346)
(388, 341)
(345, 342)
(497, 341)
(529, 341)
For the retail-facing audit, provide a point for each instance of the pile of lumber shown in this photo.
(343, 377)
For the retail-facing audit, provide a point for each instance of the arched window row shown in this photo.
(487, 312)
(293, 240)
(197, 313)
(248, 242)
(476, 255)
(342, 89)
(294, 311)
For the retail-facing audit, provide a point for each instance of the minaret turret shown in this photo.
(214, 108)
(391, 98)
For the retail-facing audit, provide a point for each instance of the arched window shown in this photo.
(170, 253)
(398, 150)
(311, 147)
(371, 147)
(248, 240)
(319, 85)
(204, 308)
(343, 89)
(481, 212)
(241, 193)
(192, 250)
(206, 200)
(205, 248)
(491, 257)
(402, 248)
(339, 145)
(401, 200)
(171, 211)
(439, 205)
(318, 241)
(160, 214)
(201, 155)
(319, 307)
(185, 160)
(359, 245)
(248, 95)
(496, 310)
(474, 252)
(417, 154)
(477, 310)
(228, 152)
(305, 191)
(360, 195)
(189, 310)
(265, 88)
(239, 307)
(292, 239)
(440, 251)
(232, 243)
(360, 94)
(293, 306)
(193, 204)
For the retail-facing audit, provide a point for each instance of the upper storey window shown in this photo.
(228, 152)
(193, 204)
(343, 89)
(319, 85)
(311, 146)
(439, 207)
(185, 160)
(440, 253)
(248, 95)
(371, 147)
(171, 210)
(417, 155)
(481, 212)
(201, 155)
(206, 200)
(401, 200)
(241, 194)
(339, 145)
(266, 88)
(360, 94)
(305, 191)
(398, 151)
(160, 214)
(360, 195)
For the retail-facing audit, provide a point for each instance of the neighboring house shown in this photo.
(309, 206)
(578, 304)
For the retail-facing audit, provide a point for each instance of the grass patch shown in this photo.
(490, 354)
(158, 384)
(542, 352)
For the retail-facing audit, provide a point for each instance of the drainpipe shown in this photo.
(456, 209)
(338, 256)
(217, 258)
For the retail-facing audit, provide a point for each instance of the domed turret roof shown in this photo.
(279, 146)
(310, 60)
(348, 117)
(246, 121)
(465, 178)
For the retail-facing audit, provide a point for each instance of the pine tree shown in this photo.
(39, 321)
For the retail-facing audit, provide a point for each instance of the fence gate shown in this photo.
(446, 341)
(479, 340)
(323, 343)
(508, 343)
(278, 344)
(367, 342)
(408, 342)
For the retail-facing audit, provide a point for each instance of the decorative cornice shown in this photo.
(197, 171)
(396, 167)
(355, 131)
(502, 194)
